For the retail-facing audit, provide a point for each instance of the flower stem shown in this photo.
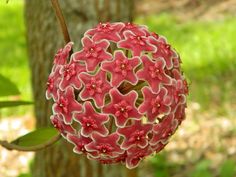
(42, 146)
(130, 87)
(61, 20)
(111, 125)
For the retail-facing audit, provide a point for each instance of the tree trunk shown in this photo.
(44, 37)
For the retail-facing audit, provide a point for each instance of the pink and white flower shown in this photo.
(66, 105)
(137, 42)
(122, 107)
(95, 87)
(121, 97)
(91, 121)
(135, 135)
(93, 53)
(153, 73)
(122, 69)
(105, 145)
(155, 104)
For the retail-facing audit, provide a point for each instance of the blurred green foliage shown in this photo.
(13, 62)
(24, 175)
(7, 90)
(202, 168)
(163, 168)
(207, 50)
(228, 168)
(7, 87)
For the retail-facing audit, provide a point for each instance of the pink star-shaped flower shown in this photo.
(105, 145)
(95, 87)
(180, 113)
(91, 121)
(164, 129)
(176, 62)
(53, 83)
(58, 123)
(135, 155)
(133, 28)
(137, 42)
(122, 107)
(135, 135)
(158, 146)
(177, 91)
(122, 68)
(70, 74)
(93, 53)
(163, 50)
(155, 35)
(121, 158)
(154, 73)
(66, 105)
(79, 141)
(183, 84)
(109, 160)
(155, 103)
(106, 31)
(63, 54)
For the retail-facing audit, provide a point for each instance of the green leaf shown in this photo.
(24, 175)
(7, 87)
(162, 172)
(36, 137)
(228, 169)
(202, 169)
(7, 104)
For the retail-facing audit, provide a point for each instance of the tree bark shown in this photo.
(44, 37)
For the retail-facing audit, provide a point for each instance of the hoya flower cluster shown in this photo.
(121, 97)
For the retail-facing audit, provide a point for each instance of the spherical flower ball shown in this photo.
(121, 97)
